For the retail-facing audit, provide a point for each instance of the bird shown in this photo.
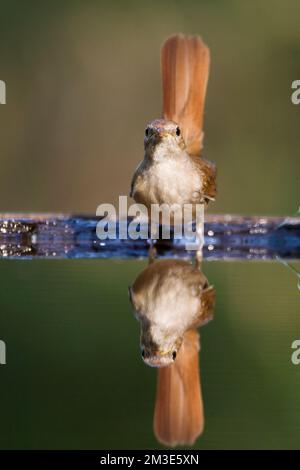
(173, 170)
(171, 299)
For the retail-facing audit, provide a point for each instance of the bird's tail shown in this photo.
(185, 68)
(178, 414)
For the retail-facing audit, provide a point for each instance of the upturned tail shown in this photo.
(185, 68)
(178, 414)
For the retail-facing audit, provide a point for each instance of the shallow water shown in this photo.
(74, 377)
(226, 237)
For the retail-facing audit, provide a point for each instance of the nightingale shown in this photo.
(171, 298)
(173, 170)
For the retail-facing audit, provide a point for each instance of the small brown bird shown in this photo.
(171, 298)
(172, 171)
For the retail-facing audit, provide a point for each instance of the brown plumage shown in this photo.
(171, 299)
(178, 415)
(185, 68)
(173, 171)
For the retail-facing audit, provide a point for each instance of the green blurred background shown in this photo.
(82, 81)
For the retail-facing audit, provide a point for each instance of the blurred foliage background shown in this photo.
(82, 81)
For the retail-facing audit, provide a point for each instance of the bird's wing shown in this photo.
(185, 68)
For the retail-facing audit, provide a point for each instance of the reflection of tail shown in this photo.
(178, 414)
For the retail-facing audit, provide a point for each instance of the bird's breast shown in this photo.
(173, 181)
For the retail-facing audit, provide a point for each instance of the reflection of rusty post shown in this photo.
(227, 237)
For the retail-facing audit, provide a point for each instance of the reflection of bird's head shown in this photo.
(158, 347)
(159, 343)
(163, 134)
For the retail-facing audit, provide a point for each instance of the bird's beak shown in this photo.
(158, 135)
(161, 132)
(158, 359)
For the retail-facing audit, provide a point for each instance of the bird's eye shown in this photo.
(174, 354)
(177, 131)
(147, 131)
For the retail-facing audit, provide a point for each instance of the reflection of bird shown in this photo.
(172, 171)
(171, 298)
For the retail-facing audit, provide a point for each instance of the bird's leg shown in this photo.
(199, 239)
(199, 256)
(152, 253)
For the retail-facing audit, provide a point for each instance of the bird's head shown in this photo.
(163, 135)
(159, 347)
